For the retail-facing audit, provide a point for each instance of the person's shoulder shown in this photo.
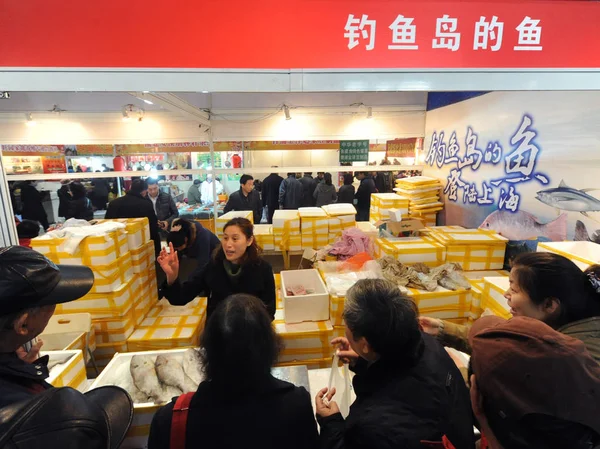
(264, 264)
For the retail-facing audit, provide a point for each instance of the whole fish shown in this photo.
(170, 372)
(582, 235)
(522, 225)
(192, 366)
(168, 394)
(144, 376)
(566, 198)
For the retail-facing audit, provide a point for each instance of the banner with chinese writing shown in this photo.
(32, 150)
(319, 34)
(354, 151)
(524, 164)
(89, 150)
(292, 145)
(401, 148)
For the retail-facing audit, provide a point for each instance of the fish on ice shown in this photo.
(564, 197)
(144, 376)
(522, 225)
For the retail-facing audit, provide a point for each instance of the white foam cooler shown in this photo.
(312, 307)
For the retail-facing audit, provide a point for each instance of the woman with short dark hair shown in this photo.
(236, 266)
(346, 192)
(240, 404)
(324, 193)
(408, 389)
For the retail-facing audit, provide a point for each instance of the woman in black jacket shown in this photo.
(240, 404)
(346, 193)
(408, 389)
(80, 206)
(235, 267)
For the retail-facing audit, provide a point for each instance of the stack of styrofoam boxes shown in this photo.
(493, 296)
(412, 250)
(341, 217)
(169, 327)
(263, 233)
(116, 286)
(304, 323)
(583, 254)
(473, 249)
(223, 219)
(141, 248)
(381, 203)
(424, 196)
(314, 227)
(69, 372)
(286, 230)
(454, 306)
(477, 288)
(368, 228)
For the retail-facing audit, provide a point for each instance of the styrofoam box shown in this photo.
(280, 217)
(368, 228)
(314, 307)
(117, 373)
(583, 254)
(493, 296)
(339, 209)
(61, 342)
(263, 234)
(69, 374)
(223, 219)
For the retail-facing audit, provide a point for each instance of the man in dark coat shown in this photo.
(32, 207)
(163, 203)
(135, 205)
(270, 194)
(63, 197)
(309, 184)
(363, 195)
(408, 389)
(100, 193)
(30, 289)
(246, 199)
(290, 193)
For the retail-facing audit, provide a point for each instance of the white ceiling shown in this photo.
(90, 102)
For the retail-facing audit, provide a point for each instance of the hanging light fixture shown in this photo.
(369, 112)
(286, 111)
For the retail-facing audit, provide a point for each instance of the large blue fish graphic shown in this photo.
(566, 198)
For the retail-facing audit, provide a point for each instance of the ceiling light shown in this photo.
(204, 91)
(30, 121)
(369, 112)
(286, 111)
(148, 102)
(146, 91)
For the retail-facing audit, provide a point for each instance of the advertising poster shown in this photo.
(524, 164)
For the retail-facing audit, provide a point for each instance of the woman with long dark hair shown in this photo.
(240, 404)
(325, 194)
(235, 267)
(80, 206)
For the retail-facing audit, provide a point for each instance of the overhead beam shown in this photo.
(175, 104)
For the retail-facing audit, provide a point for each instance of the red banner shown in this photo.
(320, 34)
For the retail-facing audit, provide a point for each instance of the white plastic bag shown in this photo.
(340, 379)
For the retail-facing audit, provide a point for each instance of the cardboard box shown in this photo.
(583, 254)
(398, 228)
(311, 307)
(304, 341)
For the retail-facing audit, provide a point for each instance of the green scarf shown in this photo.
(233, 271)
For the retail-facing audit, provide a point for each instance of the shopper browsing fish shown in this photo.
(235, 267)
(549, 288)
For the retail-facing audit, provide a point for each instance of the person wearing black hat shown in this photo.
(30, 287)
(135, 204)
(194, 241)
(65, 418)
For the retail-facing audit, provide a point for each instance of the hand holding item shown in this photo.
(169, 262)
(345, 352)
(163, 225)
(324, 406)
(431, 326)
(33, 354)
